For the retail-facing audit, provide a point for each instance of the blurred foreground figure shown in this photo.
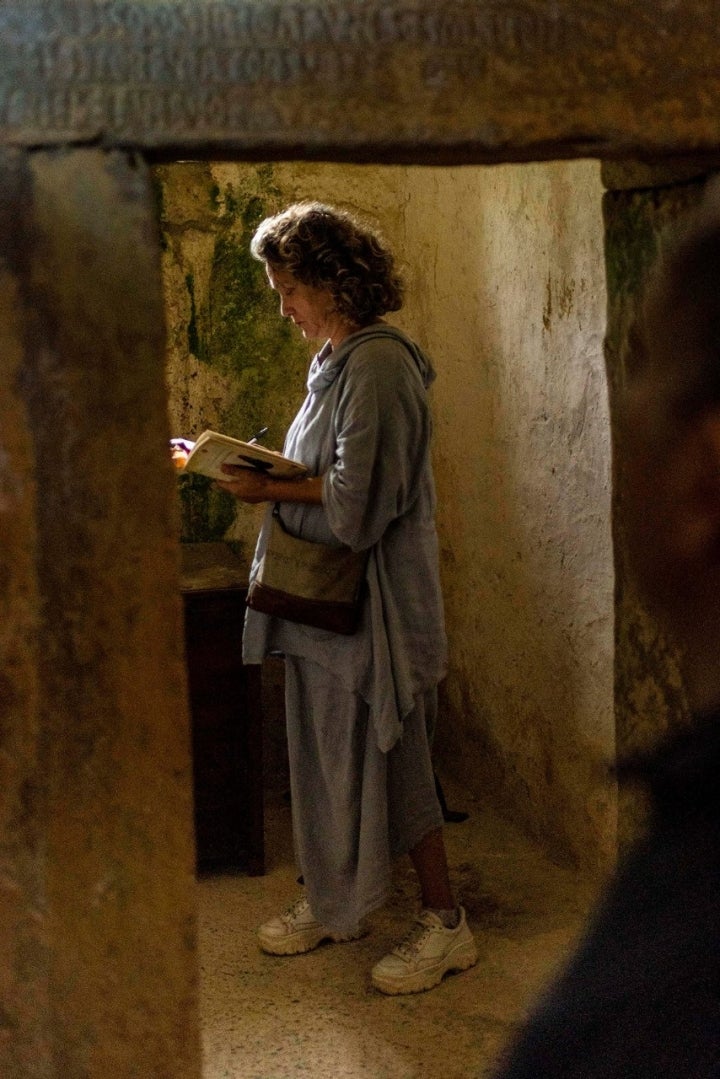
(641, 997)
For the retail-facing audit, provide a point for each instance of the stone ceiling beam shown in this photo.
(364, 80)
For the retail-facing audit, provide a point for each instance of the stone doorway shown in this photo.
(96, 893)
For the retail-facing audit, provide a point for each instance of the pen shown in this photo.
(260, 433)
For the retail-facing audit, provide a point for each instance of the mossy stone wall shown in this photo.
(233, 364)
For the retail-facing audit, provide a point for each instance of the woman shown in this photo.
(359, 707)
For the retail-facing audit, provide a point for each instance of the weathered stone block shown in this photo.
(649, 691)
(375, 80)
(96, 822)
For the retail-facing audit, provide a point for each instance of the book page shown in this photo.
(213, 450)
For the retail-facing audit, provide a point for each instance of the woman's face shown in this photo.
(311, 309)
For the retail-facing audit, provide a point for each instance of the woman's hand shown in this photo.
(246, 484)
(251, 486)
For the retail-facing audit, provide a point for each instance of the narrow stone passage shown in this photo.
(266, 1017)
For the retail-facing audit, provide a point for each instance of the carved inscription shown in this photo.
(117, 68)
(287, 23)
(254, 73)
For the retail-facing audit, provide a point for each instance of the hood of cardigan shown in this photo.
(328, 363)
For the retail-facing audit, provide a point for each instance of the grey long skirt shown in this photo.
(354, 808)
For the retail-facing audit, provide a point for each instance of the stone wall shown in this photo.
(506, 289)
(515, 311)
(641, 208)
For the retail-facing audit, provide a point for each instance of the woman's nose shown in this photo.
(284, 307)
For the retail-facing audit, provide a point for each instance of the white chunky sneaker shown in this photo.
(426, 955)
(295, 931)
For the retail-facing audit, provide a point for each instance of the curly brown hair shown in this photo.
(329, 248)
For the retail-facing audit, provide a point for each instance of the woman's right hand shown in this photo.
(251, 486)
(246, 484)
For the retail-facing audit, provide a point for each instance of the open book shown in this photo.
(213, 450)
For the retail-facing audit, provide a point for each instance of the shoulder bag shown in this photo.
(310, 583)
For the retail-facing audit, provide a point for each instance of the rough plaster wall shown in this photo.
(514, 310)
(506, 288)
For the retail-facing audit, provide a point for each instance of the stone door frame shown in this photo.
(98, 972)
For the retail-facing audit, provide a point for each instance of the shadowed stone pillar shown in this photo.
(643, 203)
(97, 923)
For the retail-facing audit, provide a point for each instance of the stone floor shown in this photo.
(316, 1015)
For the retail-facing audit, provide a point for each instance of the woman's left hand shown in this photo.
(245, 484)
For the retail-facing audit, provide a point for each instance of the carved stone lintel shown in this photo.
(376, 79)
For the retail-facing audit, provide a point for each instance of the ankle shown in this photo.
(450, 917)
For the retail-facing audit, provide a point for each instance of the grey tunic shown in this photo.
(354, 808)
(358, 707)
(365, 426)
